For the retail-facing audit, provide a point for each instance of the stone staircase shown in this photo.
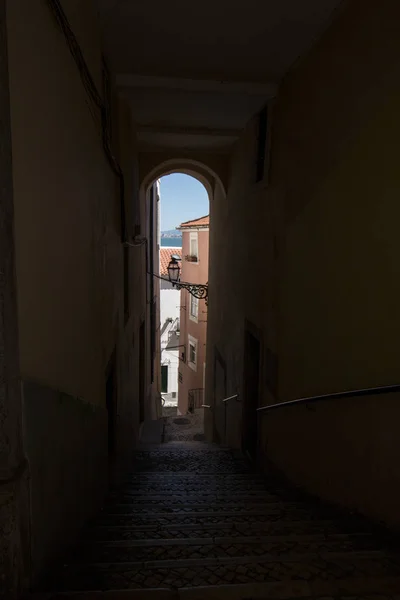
(193, 522)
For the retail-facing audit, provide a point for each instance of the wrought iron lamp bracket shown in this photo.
(198, 290)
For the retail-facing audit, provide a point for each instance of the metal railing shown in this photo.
(375, 391)
(224, 401)
(235, 396)
(195, 399)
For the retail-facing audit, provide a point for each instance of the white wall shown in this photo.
(169, 302)
(169, 308)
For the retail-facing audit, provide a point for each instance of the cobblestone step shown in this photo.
(214, 571)
(206, 501)
(350, 589)
(194, 497)
(193, 523)
(195, 490)
(202, 547)
(322, 529)
(157, 511)
(215, 517)
(183, 477)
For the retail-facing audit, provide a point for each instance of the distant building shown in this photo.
(193, 320)
(169, 328)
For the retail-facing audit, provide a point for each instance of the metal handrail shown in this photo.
(386, 389)
(205, 406)
(230, 398)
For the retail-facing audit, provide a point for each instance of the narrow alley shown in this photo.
(194, 521)
(272, 330)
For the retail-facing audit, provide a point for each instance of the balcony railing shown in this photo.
(195, 399)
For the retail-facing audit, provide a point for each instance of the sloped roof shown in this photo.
(200, 222)
(165, 257)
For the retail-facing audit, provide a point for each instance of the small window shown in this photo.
(180, 377)
(262, 143)
(194, 246)
(194, 308)
(192, 353)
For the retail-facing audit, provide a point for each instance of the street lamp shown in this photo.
(174, 269)
(198, 290)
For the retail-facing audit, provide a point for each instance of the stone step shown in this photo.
(196, 497)
(191, 488)
(215, 517)
(171, 467)
(155, 476)
(274, 510)
(221, 570)
(321, 529)
(204, 501)
(197, 548)
(184, 477)
(368, 588)
(193, 522)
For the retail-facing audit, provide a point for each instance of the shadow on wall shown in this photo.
(345, 451)
(66, 446)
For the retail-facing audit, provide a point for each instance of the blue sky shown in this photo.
(182, 198)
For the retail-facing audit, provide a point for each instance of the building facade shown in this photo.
(193, 321)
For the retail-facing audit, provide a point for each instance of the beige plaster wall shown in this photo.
(69, 262)
(320, 264)
(241, 280)
(66, 215)
(335, 154)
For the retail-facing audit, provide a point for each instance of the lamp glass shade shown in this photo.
(173, 271)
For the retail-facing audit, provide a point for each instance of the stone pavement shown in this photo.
(183, 428)
(193, 521)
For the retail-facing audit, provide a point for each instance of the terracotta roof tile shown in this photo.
(200, 222)
(165, 257)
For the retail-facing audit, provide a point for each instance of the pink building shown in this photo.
(193, 321)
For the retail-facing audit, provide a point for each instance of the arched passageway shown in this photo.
(181, 316)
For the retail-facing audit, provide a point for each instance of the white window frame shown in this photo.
(194, 315)
(194, 237)
(192, 342)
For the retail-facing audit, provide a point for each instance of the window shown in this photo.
(194, 246)
(192, 353)
(262, 143)
(180, 377)
(194, 308)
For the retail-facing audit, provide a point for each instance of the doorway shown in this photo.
(251, 385)
(164, 379)
(142, 367)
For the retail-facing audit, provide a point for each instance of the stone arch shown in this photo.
(151, 170)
